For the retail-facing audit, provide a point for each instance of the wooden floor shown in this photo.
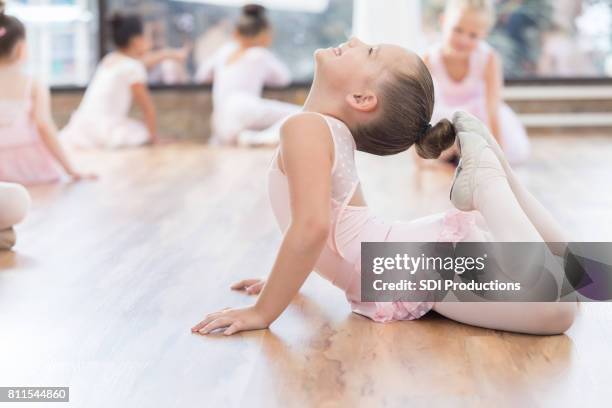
(108, 277)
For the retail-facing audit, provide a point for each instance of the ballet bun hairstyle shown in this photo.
(124, 27)
(407, 102)
(11, 32)
(252, 21)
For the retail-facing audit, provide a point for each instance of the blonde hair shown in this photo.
(482, 6)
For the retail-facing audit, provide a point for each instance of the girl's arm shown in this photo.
(278, 73)
(307, 157)
(48, 130)
(152, 58)
(142, 98)
(494, 83)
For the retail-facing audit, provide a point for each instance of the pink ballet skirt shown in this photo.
(470, 95)
(24, 159)
(340, 260)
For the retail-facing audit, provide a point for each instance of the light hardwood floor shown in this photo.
(109, 276)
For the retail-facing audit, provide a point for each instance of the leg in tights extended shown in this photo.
(14, 204)
(497, 203)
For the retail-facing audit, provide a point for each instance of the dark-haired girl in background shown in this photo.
(30, 152)
(239, 72)
(121, 77)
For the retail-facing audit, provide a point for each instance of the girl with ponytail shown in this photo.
(379, 99)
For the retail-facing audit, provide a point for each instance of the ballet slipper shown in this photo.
(7, 239)
(478, 163)
(465, 122)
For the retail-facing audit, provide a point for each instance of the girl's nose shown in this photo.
(355, 42)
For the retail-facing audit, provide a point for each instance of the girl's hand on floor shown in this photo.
(83, 176)
(232, 320)
(250, 286)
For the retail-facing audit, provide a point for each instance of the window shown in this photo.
(300, 27)
(61, 38)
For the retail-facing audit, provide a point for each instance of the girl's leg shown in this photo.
(530, 318)
(548, 228)
(14, 204)
(542, 220)
(495, 200)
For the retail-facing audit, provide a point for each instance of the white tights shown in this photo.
(14, 205)
(512, 215)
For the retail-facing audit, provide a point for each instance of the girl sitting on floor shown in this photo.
(101, 119)
(380, 100)
(239, 72)
(468, 75)
(30, 152)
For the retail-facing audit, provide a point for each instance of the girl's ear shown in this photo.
(363, 101)
(20, 51)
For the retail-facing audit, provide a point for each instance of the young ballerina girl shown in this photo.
(30, 152)
(380, 100)
(468, 75)
(239, 72)
(14, 205)
(101, 119)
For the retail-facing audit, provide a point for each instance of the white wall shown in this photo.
(389, 21)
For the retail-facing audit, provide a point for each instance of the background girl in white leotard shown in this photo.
(239, 71)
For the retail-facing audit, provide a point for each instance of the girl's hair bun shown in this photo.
(124, 27)
(116, 20)
(253, 10)
(252, 21)
(436, 140)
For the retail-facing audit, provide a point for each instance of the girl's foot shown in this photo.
(7, 239)
(478, 163)
(465, 122)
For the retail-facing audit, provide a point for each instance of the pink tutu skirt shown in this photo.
(28, 164)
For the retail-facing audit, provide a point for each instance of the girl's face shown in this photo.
(263, 39)
(463, 30)
(355, 66)
(140, 44)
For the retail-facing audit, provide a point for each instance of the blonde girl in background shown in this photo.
(30, 152)
(468, 75)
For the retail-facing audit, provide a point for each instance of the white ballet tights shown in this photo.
(14, 205)
(508, 221)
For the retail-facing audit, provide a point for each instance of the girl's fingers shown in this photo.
(256, 288)
(232, 329)
(209, 318)
(216, 324)
(244, 284)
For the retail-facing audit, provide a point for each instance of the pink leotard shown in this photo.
(469, 95)
(24, 158)
(340, 260)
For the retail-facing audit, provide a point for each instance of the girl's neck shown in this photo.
(128, 53)
(10, 65)
(448, 53)
(322, 102)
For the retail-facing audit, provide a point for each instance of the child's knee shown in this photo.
(14, 204)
